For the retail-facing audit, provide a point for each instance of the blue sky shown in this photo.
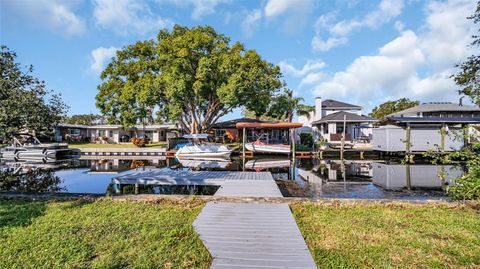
(362, 52)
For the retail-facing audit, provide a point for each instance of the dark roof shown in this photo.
(339, 117)
(437, 107)
(232, 123)
(436, 119)
(329, 103)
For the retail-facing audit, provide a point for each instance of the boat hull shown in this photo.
(268, 148)
(204, 151)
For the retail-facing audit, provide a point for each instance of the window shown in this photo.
(220, 132)
(149, 135)
(74, 132)
(110, 134)
(340, 129)
(101, 132)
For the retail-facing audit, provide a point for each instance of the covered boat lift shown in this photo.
(283, 125)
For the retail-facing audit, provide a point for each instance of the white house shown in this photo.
(429, 126)
(330, 116)
(113, 133)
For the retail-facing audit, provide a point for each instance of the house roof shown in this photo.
(349, 117)
(232, 123)
(116, 126)
(436, 107)
(334, 104)
(435, 119)
(268, 125)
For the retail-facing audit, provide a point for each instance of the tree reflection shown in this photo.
(37, 180)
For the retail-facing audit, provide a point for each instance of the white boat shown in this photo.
(205, 163)
(261, 147)
(259, 164)
(35, 150)
(199, 149)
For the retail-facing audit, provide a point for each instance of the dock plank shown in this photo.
(246, 235)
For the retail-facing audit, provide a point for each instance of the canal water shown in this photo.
(314, 178)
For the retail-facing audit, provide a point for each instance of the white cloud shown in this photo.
(201, 8)
(338, 32)
(250, 21)
(415, 65)
(312, 78)
(54, 14)
(127, 17)
(292, 14)
(100, 57)
(310, 66)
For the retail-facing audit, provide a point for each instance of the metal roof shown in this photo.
(436, 119)
(349, 117)
(232, 123)
(330, 103)
(279, 125)
(436, 107)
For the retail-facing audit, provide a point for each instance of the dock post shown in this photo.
(244, 139)
(292, 132)
(442, 134)
(343, 136)
(407, 142)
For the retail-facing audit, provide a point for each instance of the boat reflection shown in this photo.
(205, 163)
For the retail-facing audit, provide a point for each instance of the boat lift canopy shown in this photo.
(264, 125)
(196, 136)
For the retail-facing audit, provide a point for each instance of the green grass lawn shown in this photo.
(129, 145)
(390, 236)
(101, 234)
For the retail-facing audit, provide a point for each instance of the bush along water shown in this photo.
(38, 180)
(466, 187)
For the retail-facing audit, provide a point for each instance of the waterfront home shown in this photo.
(441, 126)
(226, 131)
(113, 133)
(330, 117)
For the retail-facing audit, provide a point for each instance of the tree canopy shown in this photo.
(23, 99)
(282, 107)
(469, 76)
(389, 107)
(83, 119)
(192, 76)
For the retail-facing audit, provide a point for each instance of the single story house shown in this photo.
(227, 132)
(113, 133)
(330, 117)
(431, 126)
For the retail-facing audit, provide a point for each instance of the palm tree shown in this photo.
(284, 106)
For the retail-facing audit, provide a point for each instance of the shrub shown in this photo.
(306, 139)
(139, 142)
(467, 187)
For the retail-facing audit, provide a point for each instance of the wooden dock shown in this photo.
(239, 235)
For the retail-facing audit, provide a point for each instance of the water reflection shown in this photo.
(299, 178)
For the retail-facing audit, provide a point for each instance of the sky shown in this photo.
(362, 52)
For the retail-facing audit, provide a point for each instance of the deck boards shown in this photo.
(239, 235)
(244, 235)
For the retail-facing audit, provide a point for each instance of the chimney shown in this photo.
(318, 109)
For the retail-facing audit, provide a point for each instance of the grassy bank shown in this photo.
(390, 236)
(130, 145)
(102, 234)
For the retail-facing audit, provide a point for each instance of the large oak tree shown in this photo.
(193, 76)
(469, 76)
(24, 105)
(389, 107)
